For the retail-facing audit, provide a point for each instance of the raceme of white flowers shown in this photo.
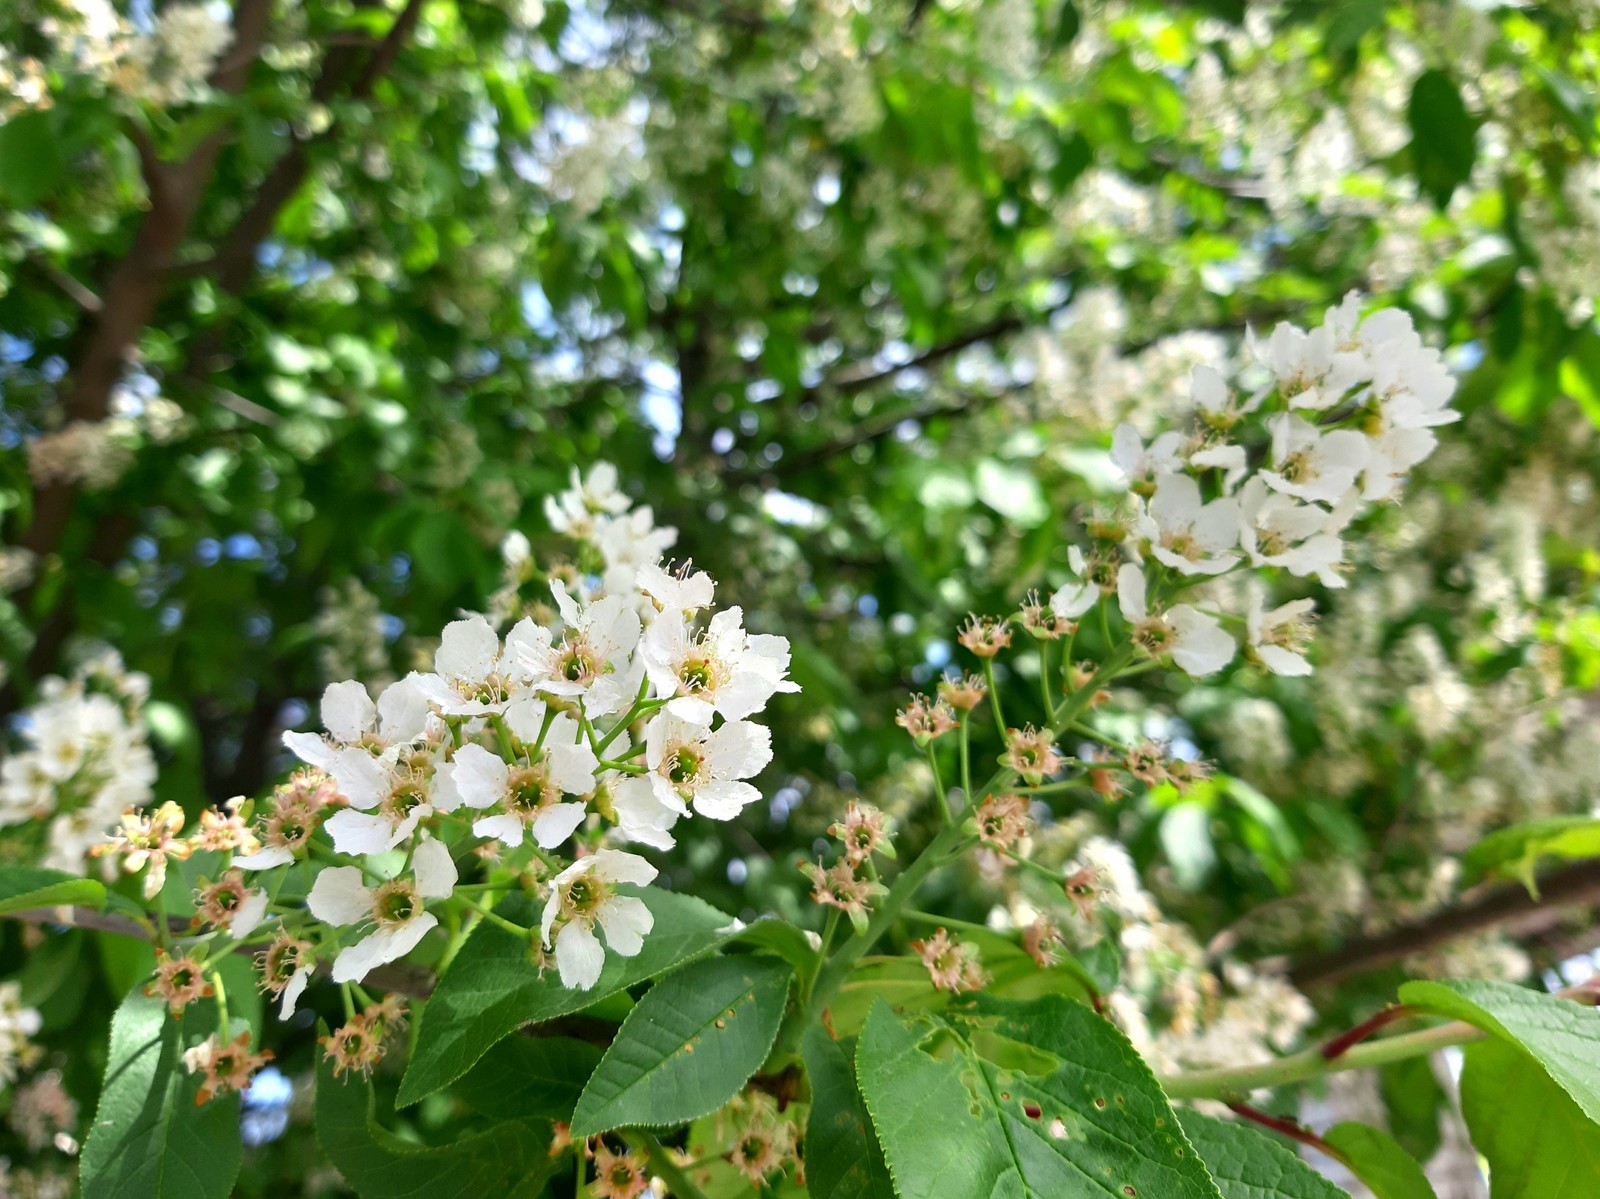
(1328, 422)
(85, 760)
(622, 713)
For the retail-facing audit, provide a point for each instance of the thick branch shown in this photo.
(236, 259)
(1508, 908)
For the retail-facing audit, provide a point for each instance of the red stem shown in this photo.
(1346, 1040)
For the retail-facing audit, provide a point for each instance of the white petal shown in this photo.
(265, 858)
(247, 917)
(621, 867)
(435, 871)
(1200, 647)
(579, 956)
(739, 749)
(347, 711)
(626, 921)
(505, 829)
(695, 711)
(338, 896)
(402, 713)
(556, 823)
(480, 777)
(724, 800)
(310, 749)
(467, 650)
(362, 779)
(1130, 592)
(292, 993)
(385, 945)
(525, 717)
(641, 816)
(359, 833)
(572, 768)
(1282, 661)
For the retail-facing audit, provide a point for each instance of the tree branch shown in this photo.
(235, 260)
(1509, 908)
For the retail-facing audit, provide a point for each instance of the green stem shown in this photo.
(1237, 1081)
(1044, 681)
(938, 851)
(941, 797)
(966, 758)
(661, 1162)
(946, 922)
(994, 696)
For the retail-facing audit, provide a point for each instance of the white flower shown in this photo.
(1190, 536)
(1141, 465)
(365, 739)
(573, 511)
(723, 669)
(1310, 464)
(1277, 638)
(469, 677)
(1391, 455)
(1077, 597)
(1309, 368)
(1214, 399)
(1277, 530)
(678, 593)
(628, 542)
(1194, 639)
(583, 895)
(396, 908)
(594, 660)
(529, 790)
(690, 763)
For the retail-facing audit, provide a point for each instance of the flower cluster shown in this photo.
(86, 760)
(18, 1024)
(1271, 475)
(534, 756)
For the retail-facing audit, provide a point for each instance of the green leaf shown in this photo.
(493, 988)
(1444, 137)
(26, 887)
(30, 158)
(688, 1047)
(1413, 1098)
(843, 1157)
(1377, 1159)
(1562, 1035)
(1246, 1163)
(529, 1078)
(511, 1159)
(1538, 1142)
(1096, 1123)
(938, 1139)
(150, 1140)
(1515, 852)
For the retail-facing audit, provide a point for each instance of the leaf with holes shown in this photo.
(511, 1159)
(938, 1139)
(1562, 1035)
(1080, 1113)
(1377, 1159)
(150, 1139)
(1247, 1163)
(843, 1157)
(694, 1039)
(492, 988)
(1537, 1141)
(26, 887)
